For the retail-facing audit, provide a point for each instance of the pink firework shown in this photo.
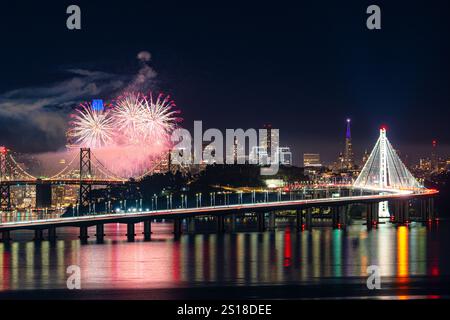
(130, 135)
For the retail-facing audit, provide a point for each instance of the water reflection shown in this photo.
(282, 257)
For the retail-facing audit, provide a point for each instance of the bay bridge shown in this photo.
(91, 172)
(384, 189)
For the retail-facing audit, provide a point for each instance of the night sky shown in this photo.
(304, 68)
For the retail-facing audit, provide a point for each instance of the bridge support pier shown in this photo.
(272, 222)
(177, 228)
(130, 231)
(191, 225)
(299, 220)
(220, 220)
(335, 217)
(100, 232)
(369, 216)
(5, 196)
(423, 210)
(52, 234)
(84, 235)
(6, 236)
(233, 223)
(38, 235)
(342, 219)
(260, 221)
(406, 204)
(402, 215)
(372, 215)
(395, 217)
(308, 220)
(430, 209)
(147, 230)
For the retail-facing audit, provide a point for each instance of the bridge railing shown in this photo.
(171, 201)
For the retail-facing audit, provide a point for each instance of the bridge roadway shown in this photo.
(176, 214)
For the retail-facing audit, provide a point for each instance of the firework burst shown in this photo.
(143, 118)
(91, 128)
(128, 114)
(159, 117)
(130, 134)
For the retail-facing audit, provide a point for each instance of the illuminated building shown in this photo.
(347, 162)
(284, 156)
(259, 155)
(311, 160)
(237, 156)
(270, 141)
(434, 159)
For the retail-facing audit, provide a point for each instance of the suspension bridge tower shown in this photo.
(85, 174)
(384, 170)
(5, 174)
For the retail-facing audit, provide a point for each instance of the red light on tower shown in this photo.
(434, 143)
(3, 150)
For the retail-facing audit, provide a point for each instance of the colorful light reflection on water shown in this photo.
(245, 258)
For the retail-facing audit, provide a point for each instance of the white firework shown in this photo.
(91, 128)
(128, 114)
(159, 117)
(142, 118)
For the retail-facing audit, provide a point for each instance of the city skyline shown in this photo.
(225, 156)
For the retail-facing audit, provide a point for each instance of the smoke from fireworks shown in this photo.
(128, 135)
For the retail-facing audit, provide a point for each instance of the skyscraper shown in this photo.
(270, 143)
(348, 162)
(434, 158)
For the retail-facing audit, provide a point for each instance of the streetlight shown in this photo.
(212, 198)
(155, 200)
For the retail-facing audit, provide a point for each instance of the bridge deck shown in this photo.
(210, 210)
